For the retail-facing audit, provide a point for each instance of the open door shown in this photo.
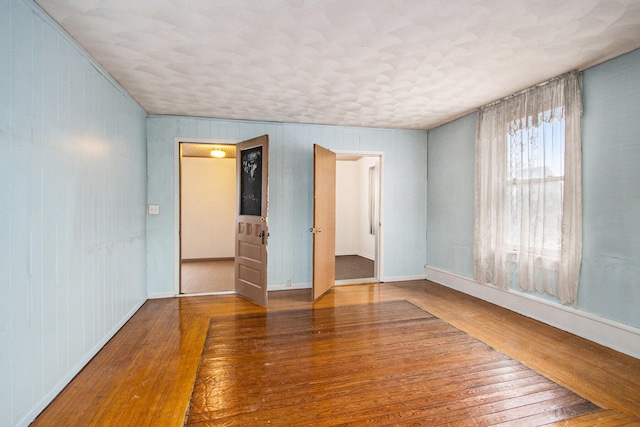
(324, 220)
(252, 231)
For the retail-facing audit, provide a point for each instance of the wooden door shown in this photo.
(324, 220)
(252, 226)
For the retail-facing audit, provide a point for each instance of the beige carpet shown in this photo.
(206, 276)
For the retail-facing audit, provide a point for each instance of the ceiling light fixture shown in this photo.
(217, 153)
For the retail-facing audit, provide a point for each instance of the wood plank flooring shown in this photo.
(145, 375)
(385, 363)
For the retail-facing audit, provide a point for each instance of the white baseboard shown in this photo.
(615, 335)
(359, 281)
(363, 255)
(201, 294)
(345, 253)
(157, 295)
(402, 278)
(290, 287)
(344, 282)
(367, 256)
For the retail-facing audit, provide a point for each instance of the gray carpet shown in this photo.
(353, 267)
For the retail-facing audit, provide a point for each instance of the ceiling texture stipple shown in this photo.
(412, 64)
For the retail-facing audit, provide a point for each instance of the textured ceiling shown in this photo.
(384, 63)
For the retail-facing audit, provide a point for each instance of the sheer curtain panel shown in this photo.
(528, 195)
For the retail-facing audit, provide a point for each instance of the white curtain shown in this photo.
(528, 195)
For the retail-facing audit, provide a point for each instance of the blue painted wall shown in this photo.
(451, 169)
(72, 210)
(610, 277)
(291, 193)
(610, 280)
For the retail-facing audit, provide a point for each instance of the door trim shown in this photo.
(177, 195)
(379, 266)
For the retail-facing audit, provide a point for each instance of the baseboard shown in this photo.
(207, 259)
(344, 282)
(360, 281)
(345, 253)
(289, 287)
(48, 398)
(402, 278)
(360, 254)
(200, 294)
(615, 335)
(366, 256)
(157, 295)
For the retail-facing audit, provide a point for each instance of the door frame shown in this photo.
(379, 236)
(177, 197)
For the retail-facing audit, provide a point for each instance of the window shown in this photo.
(528, 216)
(535, 176)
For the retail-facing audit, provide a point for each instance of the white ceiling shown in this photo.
(410, 64)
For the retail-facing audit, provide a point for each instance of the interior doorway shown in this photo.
(358, 232)
(207, 217)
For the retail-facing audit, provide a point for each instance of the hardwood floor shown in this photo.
(145, 375)
(384, 363)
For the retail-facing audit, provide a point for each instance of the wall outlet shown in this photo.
(288, 284)
(154, 209)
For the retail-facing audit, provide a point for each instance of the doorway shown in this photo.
(207, 217)
(357, 218)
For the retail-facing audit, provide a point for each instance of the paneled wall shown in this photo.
(450, 196)
(610, 276)
(291, 193)
(72, 210)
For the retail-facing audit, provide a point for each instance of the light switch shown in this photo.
(154, 209)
